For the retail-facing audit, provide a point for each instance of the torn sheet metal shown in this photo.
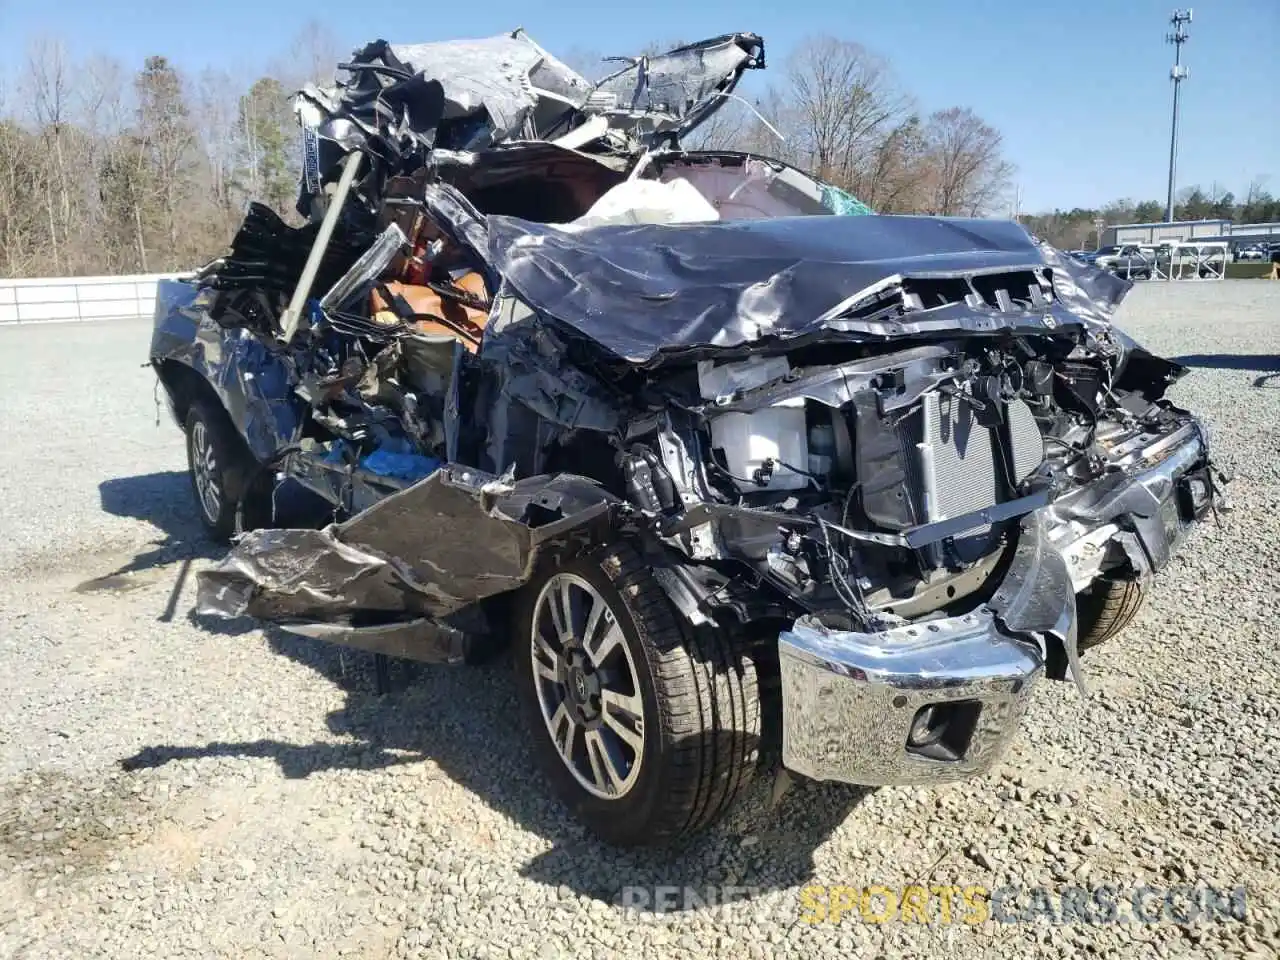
(673, 92)
(306, 574)
(654, 288)
(431, 550)
(253, 380)
(358, 281)
(400, 102)
(267, 255)
(509, 77)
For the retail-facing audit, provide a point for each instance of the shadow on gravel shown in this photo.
(1261, 362)
(467, 721)
(166, 501)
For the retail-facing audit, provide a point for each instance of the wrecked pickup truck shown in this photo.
(730, 462)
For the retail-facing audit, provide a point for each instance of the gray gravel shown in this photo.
(271, 805)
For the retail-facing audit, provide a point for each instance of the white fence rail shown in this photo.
(70, 299)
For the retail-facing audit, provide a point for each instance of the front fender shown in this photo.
(458, 537)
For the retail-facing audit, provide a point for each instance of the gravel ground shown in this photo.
(173, 787)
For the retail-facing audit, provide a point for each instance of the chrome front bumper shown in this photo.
(850, 699)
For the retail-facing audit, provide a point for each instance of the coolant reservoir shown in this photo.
(774, 433)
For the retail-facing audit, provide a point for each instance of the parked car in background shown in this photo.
(1089, 256)
(1254, 252)
(1131, 261)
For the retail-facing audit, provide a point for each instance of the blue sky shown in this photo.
(1081, 91)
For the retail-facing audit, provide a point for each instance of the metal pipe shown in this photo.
(1173, 143)
(1178, 74)
(929, 492)
(293, 313)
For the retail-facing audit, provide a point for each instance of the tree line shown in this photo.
(1076, 229)
(108, 171)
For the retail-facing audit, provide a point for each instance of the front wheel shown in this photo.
(647, 732)
(223, 472)
(1105, 608)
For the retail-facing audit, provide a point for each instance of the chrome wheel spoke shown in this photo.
(582, 671)
(204, 469)
(564, 730)
(600, 648)
(603, 769)
(624, 715)
(546, 662)
(546, 671)
(558, 602)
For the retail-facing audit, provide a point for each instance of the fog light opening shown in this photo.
(942, 731)
(923, 730)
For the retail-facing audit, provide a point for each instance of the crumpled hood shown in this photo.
(650, 290)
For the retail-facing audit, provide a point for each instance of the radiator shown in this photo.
(955, 465)
(1026, 443)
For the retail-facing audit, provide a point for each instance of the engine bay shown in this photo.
(888, 487)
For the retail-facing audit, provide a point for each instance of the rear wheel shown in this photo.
(224, 475)
(647, 732)
(1106, 608)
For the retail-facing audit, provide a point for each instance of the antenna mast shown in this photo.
(1178, 37)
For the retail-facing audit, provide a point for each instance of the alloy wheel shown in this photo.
(587, 686)
(205, 471)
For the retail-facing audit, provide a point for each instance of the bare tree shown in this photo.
(270, 143)
(47, 79)
(893, 176)
(312, 55)
(165, 128)
(967, 173)
(841, 102)
(215, 119)
(315, 54)
(20, 220)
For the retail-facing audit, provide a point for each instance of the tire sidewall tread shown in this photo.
(702, 722)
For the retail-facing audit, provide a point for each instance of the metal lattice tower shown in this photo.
(1178, 37)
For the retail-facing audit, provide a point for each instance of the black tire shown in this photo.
(701, 706)
(1106, 608)
(216, 451)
